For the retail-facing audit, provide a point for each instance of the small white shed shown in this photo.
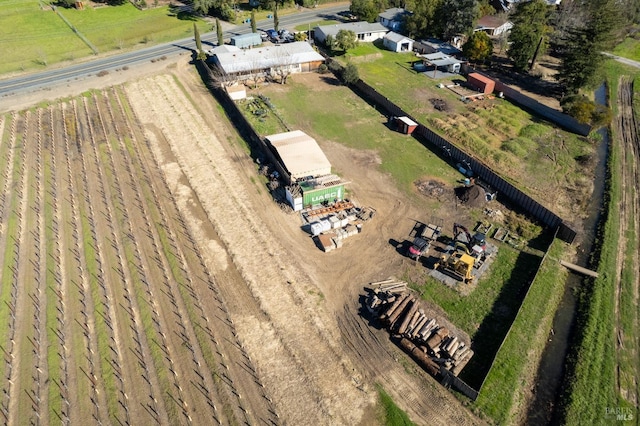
(397, 42)
(237, 91)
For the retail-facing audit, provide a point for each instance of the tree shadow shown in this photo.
(186, 16)
(331, 80)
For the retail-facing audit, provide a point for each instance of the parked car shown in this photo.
(273, 36)
(347, 15)
(285, 36)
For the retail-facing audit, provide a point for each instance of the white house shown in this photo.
(393, 18)
(493, 25)
(364, 31)
(274, 60)
(397, 42)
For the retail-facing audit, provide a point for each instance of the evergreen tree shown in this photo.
(580, 49)
(529, 32)
(346, 40)
(365, 10)
(329, 43)
(196, 35)
(422, 22)
(455, 17)
(219, 33)
(350, 73)
(254, 28)
(203, 6)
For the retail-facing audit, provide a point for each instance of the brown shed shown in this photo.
(482, 83)
(406, 125)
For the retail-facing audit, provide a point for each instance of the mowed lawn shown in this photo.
(33, 37)
(357, 125)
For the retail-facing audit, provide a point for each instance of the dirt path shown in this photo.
(628, 258)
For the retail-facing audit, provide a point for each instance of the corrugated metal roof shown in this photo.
(301, 154)
(299, 52)
(225, 48)
(440, 59)
(357, 27)
(395, 37)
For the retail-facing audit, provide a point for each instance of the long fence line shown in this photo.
(75, 30)
(440, 145)
(506, 336)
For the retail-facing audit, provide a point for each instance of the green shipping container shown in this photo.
(312, 197)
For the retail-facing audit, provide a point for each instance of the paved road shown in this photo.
(32, 82)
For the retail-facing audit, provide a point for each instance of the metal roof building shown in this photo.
(244, 41)
(397, 42)
(266, 57)
(365, 31)
(300, 154)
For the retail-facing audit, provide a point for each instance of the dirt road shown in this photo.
(628, 257)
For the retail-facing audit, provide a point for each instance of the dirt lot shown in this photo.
(223, 308)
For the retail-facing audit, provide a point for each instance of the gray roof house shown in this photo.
(365, 31)
(393, 18)
(244, 64)
(397, 42)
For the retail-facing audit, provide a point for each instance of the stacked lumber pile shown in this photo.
(404, 315)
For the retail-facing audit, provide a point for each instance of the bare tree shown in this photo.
(284, 67)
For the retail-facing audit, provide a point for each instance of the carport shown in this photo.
(443, 65)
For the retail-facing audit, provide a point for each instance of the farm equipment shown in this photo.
(418, 248)
(458, 263)
(476, 243)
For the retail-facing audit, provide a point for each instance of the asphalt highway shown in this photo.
(32, 82)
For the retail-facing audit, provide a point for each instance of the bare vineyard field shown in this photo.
(109, 312)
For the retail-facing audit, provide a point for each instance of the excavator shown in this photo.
(472, 245)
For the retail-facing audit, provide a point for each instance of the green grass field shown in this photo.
(591, 386)
(33, 37)
(629, 48)
(315, 112)
(503, 393)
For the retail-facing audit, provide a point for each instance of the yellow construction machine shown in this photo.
(459, 264)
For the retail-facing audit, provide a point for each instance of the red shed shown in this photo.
(406, 125)
(482, 83)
